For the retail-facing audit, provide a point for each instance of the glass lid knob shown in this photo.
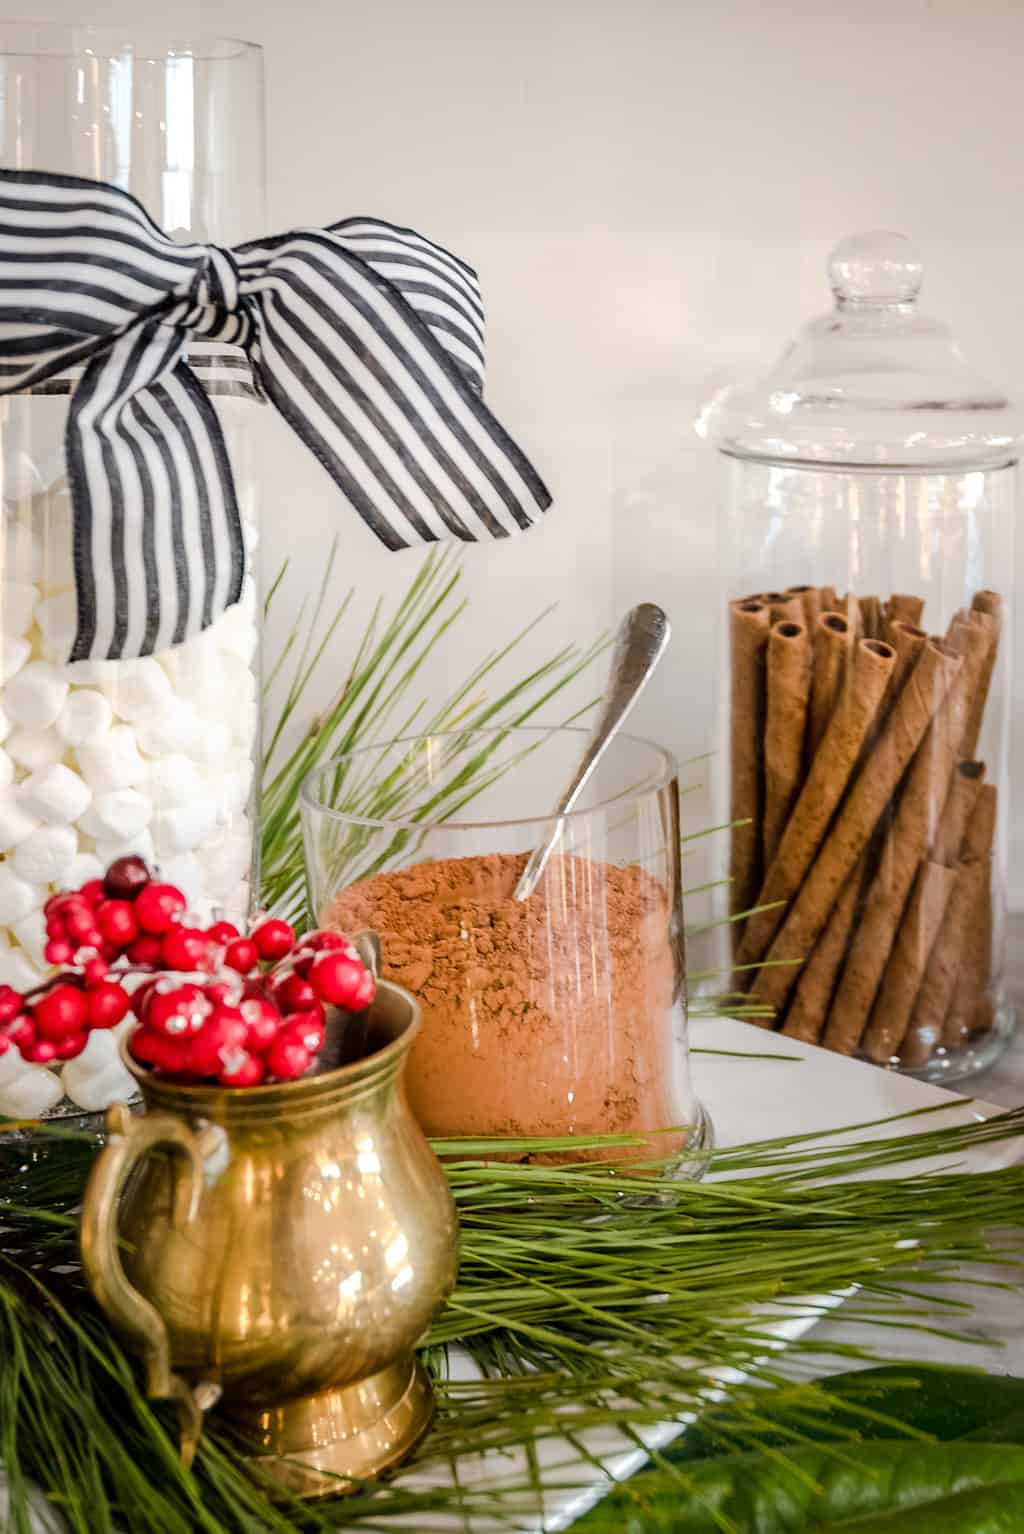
(879, 267)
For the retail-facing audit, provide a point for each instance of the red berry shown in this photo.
(125, 878)
(80, 924)
(145, 950)
(107, 1004)
(168, 1055)
(116, 922)
(263, 1022)
(58, 951)
(222, 933)
(323, 938)
(242, 1070)
(68, 1048)
(41, 1052)
(225, 993)
(184, 948)
(295, 994)
(52, 907)
(94, 892)
(10, 1004)
(305, 1028)
(182, 1010)
(273, 940)
(219, 1041)
(145, 1045)
(55, 928)
(140, 997)
(341, 981)
(241, 955)
(157, 906)
(95, 972)
(60, 1012)
(287, 1059)
(22, 1031)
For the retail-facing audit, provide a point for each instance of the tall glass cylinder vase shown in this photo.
(154, 756)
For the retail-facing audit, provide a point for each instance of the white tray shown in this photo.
(747, 1100)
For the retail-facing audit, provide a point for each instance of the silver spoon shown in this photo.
(639, 645)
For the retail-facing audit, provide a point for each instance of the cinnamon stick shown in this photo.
(904, 608)
(914, 829)
(809, 1007)
(783, 606)
(828, 601)
(819, 798)
(986, 611)
(854, 825)
(810, 598)
(749, 622)
(788, 694)
(908, 961)
(871, 617)
(833, 645)
(974, 973)
(939, 982)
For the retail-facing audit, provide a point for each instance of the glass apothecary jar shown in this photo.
(556, 1017)
(870, 483)
(156, 755)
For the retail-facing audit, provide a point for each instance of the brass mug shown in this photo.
(284, 1259)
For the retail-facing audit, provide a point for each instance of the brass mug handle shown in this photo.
(129, 1138)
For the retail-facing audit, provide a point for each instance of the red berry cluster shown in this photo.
(256, 1013)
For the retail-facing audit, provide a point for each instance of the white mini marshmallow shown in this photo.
(58, 618)
(172, 781)
(212, 743)
(225, 866)
(84, 867)
(17, 970)
(18, 896)
(114, 762)
(186, 873)
(118, 813)
(140, 845)
(11, 1065)
(31, 934)
(13, 655)
(185, 828)
(36, 695)
(85, 718)
(170, 729)
(55, 794)
(90, 673)
(46, 855)
(142, 685)
(33, 749)
(96, 1078)
(15, 823)
(31, 1093)
(6, 770)
(17, 604)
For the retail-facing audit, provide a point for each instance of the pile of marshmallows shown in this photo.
(212, 1005)
(101, 759)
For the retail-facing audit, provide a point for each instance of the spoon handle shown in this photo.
(639, 644)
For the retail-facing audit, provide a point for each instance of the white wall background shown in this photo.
(649, 190)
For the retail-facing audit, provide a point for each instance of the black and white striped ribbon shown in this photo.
(367, 338)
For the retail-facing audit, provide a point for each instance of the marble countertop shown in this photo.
(995, 1328)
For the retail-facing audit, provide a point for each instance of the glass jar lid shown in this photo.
(875, 383)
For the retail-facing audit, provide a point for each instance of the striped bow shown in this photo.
(367, 338)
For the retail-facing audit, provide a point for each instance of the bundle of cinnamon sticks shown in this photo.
(861, 856)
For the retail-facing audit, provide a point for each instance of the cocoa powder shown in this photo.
(557, 1015)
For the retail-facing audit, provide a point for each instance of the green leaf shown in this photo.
(811, 1490)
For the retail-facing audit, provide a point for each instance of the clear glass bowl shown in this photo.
(557, 1017)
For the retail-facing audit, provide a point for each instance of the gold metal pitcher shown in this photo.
(284, 1259)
